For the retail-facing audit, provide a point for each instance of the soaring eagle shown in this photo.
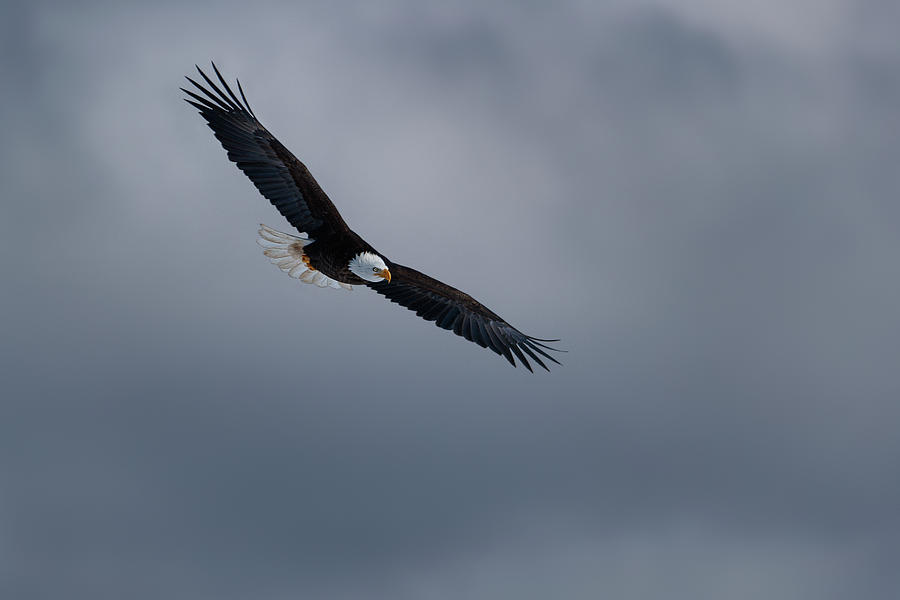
(330, 254)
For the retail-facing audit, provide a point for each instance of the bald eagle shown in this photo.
(330, 254)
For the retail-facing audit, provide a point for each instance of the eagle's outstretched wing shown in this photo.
(277, 173)
(288, 185)
(452, 309)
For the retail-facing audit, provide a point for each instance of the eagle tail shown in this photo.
(286, 252)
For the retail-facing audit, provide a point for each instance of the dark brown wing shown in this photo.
(276, 173)
(452, 309)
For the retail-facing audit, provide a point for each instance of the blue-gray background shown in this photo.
(700, 198)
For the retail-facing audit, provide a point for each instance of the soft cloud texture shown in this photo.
(700, 198)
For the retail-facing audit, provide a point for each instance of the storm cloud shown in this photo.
(700, 200)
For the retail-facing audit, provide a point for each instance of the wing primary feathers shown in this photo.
(533, 356)
(218, 91)
(227, 88)
(515, 348)
(206, 103)
(247, 104)
(452, 309)
(508, 355)
(535, 341)
(210, 97)
(199, 107)
(539, 351)
(497, 343)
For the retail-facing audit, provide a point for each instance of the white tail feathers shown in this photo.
(286, 252)
(269, 236)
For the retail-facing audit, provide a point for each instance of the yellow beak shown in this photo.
(386, 274)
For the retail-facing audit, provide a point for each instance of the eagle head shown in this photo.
(369, 266)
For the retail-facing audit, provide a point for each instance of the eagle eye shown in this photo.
(374, 269)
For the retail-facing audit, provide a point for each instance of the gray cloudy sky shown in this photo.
(700, 198)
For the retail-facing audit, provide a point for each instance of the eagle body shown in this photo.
(327, 252)
(331, 255)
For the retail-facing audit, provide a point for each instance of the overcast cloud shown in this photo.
(700, 198)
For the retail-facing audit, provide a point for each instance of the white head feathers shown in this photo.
(368, 266)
